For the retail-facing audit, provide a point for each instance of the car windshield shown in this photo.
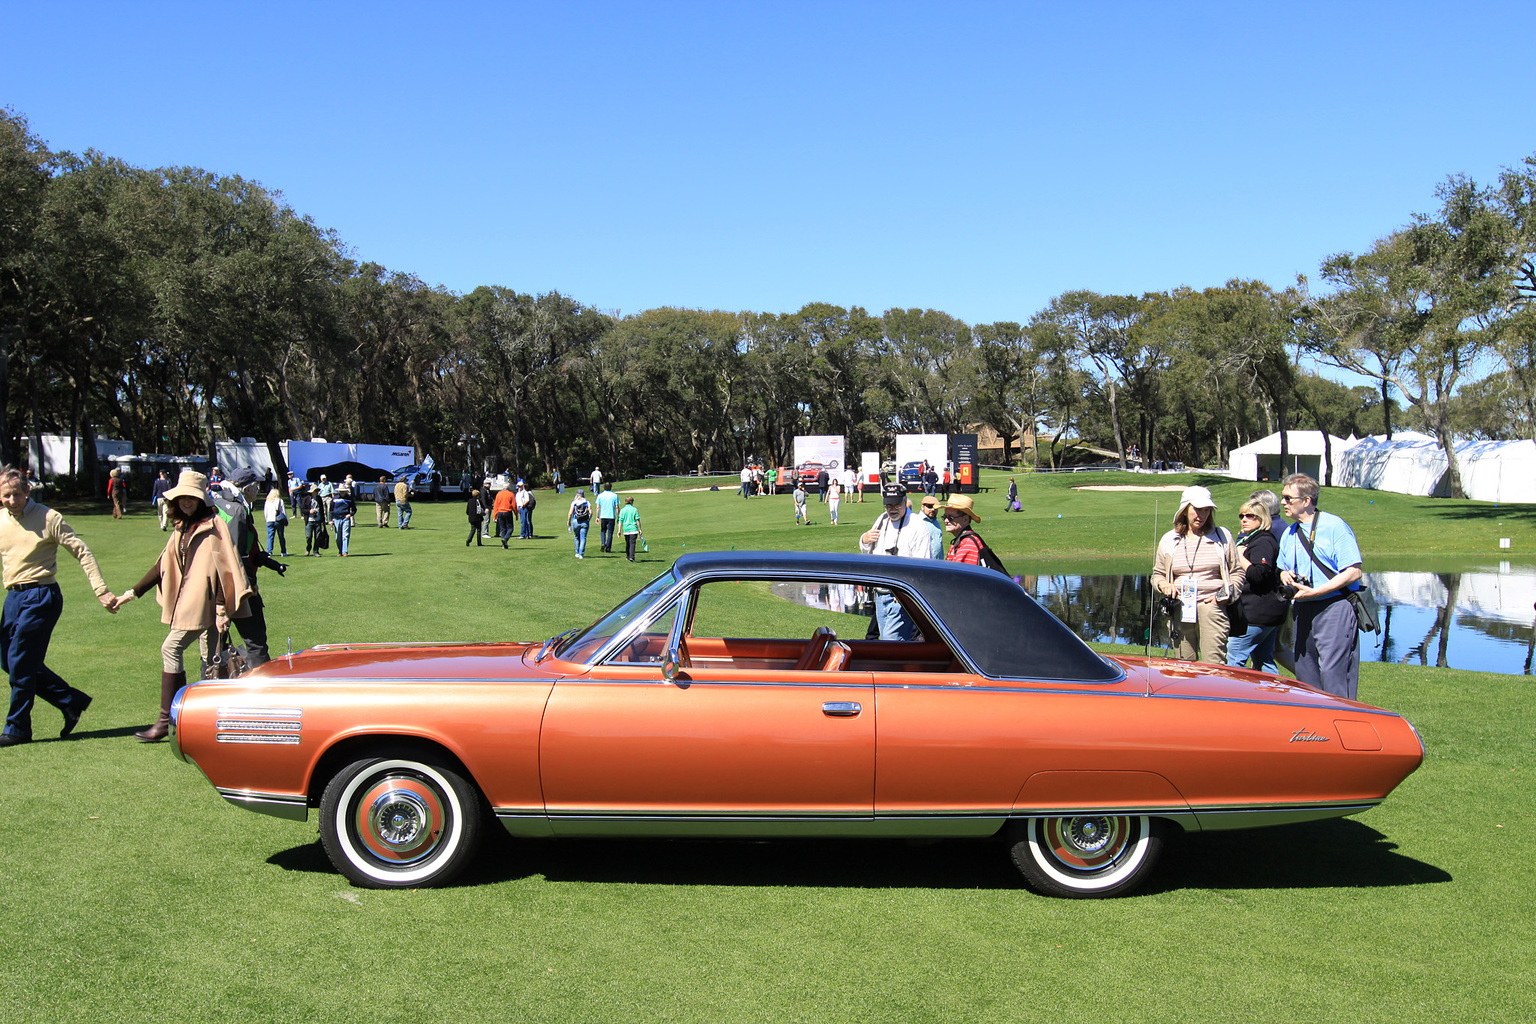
(584, 645)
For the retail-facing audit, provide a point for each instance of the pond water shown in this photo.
(1479, 617)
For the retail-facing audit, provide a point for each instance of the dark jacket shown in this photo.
(1262, 602)
(473, 510)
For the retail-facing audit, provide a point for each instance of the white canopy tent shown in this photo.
(1411, 463)
(1304, 454)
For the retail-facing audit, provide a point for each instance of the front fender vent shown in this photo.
(260, 725)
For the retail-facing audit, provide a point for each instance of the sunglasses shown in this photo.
(1246, 515)
(955, 517)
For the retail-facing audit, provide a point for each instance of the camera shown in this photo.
(1289, 589)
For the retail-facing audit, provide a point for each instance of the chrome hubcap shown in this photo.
(399, 818)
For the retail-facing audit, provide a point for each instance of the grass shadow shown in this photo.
(1336, 853)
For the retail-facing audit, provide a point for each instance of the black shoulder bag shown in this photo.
(989, 559)
(1363, 600)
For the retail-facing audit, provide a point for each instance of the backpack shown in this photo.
(532, 503)
(989, 559)
(582, 512)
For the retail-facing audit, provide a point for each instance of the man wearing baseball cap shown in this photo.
(898, 532)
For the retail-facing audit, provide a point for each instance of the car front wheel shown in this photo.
(1087, 855)
(399, 823)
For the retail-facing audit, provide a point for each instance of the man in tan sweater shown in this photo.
(30, 538)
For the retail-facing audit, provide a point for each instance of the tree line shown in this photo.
(173, 307)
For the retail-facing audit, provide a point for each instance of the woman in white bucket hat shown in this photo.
(1197, 564)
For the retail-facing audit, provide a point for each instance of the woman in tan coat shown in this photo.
(201, 587)
(1197, 564)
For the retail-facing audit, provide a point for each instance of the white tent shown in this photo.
(1304, 454)
(1410, 463)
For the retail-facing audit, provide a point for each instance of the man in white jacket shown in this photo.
(897, 532)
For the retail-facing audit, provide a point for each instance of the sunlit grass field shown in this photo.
(133, 892)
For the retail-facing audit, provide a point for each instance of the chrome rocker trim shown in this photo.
(279, 805)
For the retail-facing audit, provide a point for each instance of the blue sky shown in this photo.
(973, 158)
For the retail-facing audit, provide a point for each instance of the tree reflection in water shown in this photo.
(1473, 620)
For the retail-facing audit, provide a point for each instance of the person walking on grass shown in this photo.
(505, 510)
(525, 503)
(607, 515)
(403, 504)
(382, 493)
(834, 499)
(579, 521)
(475, 513)
(202, 587)
(157, 495)
(629, 525)
(801, 516)
(30, 538)
(343, 514)
(276, 516)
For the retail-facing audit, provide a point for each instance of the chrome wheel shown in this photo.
(1085, 855)
(398, 823)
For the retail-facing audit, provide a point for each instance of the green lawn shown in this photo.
(133, 892)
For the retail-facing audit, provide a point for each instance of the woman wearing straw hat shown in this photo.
(966, 544)
(201, 583)
(1197, 563)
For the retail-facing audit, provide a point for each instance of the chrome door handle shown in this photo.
(841, 708)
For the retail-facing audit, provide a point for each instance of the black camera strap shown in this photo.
(1306, 542)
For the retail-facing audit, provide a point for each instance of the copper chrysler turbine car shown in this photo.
(735, 695)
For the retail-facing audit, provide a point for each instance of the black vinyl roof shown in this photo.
(1001, 628)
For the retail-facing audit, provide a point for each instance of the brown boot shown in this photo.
(170, 682)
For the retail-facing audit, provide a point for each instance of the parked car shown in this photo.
(911, 475)
(735, 695)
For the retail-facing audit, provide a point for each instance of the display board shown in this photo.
(815, 452)
(964, 471)
(913, 449)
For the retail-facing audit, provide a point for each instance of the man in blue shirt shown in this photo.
(607, 513)
(1327, 629)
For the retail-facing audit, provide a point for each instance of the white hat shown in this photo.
(1197, 497)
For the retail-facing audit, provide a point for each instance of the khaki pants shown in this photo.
(381, 510)
(177, 643)
(1205, 639)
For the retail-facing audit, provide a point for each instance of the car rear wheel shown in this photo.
(399, 823)
(1089, 855)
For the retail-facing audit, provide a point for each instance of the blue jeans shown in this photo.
(526, 515)
(1257, 643)
(579, 529)
(605, 533)
(275, 532)
(343, 534)
(405, 514)
(895, 623)
(26, 626)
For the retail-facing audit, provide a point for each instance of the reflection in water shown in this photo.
(1480, 620)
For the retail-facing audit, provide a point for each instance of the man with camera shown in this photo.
(1319, 565)
(898, 531)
